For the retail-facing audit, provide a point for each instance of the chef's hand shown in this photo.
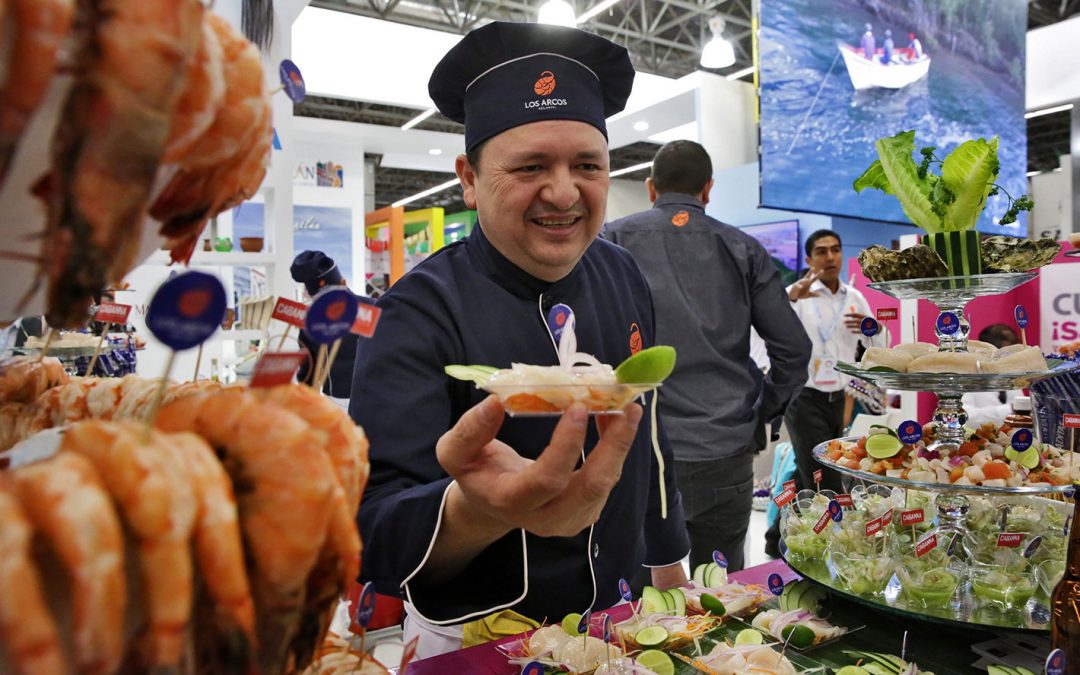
(551, 496)
(800, 290)
(853, 321)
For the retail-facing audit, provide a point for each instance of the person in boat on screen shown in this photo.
(867, 43)
(887, 50)
(914, 48)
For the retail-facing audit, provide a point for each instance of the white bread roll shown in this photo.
(890, 358)
(915, 348)
(945, 362)
(1025, 360)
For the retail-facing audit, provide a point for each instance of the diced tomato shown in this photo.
(880, 467)
(858, 452)
(956, 474)
(862, 443)
(896, 460)
(997, 470)
(523, 402)
(850, 463)
(968, 448)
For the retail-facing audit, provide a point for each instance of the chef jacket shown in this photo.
(468, 304)
(711, 282)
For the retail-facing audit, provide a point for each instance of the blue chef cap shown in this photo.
(504, 75)
(315, 270)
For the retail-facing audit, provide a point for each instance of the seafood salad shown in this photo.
(726, 659)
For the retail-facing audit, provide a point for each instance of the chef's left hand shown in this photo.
(853, 321)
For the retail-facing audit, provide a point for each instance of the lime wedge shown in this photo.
(798, 636)
(651, 636)
(570, 623)
(749, 636)
(1029, 459)
(883, 446)
(712, 604)
(656, 661)
(649, 366)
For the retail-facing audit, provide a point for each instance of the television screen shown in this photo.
(781, 240)
(836, 75)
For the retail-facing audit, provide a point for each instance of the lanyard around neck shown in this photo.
(826, 334)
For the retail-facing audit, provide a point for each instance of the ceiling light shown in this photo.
(631, 169)
(641, 125)
(435, 151)
(418, 119)
(596, 9)
(1047, 111)
(557, 12)
(741, 73)
(425, 193)
(718, 52)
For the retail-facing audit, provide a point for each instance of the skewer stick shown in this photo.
(1023, 336)
(317, 370)
(97, 351)
(49, 335)
(198, 362)
(284, 337)
(329, 364)
(155, 403)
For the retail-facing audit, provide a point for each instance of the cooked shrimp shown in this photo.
(202, 98)
(112, 134)
(154, 495)
(284, 486)
(24, 378)
(40, 29)
(27, 629)
(218, 550)
(67, 504)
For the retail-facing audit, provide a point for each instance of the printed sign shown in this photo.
(292, 81)
(409, 653)
(886, 518)
(533, 668)
(776, 584)
(1055, 663)
(1010, 539)
(583, 623)
(276, 368)
(367, 317)
(720, 559)
(557, 318)
(821, 522)
(1033, 546)
(1021, 439)
(846, 501)
(365, 606)
(789, 484)
(925, 545)
(290, 311)
(887, 314)
(110, 312)
(624, 590)
(913, 517)
(1071, 421)
(869, 327)
(910, 432)
(873, 527)
(186, 310)
(330, 316)
(834, 511)
(1059, 307)
(784, 497)
(1021, 316)
(948, 323)
(817, 475)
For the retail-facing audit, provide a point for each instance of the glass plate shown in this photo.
(956, 382)
(66, 352)
(551, 400)
(819, 455)
(952, 289)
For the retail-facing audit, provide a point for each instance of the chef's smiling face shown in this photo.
(540, 191)
(825, 258)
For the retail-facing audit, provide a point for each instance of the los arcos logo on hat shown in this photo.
(545, 85)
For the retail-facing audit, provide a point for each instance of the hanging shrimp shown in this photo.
(24, 378)
(202, 98)
(69, 507)
(27, 630)
(40, 28)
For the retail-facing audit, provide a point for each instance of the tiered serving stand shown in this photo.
(950, 294)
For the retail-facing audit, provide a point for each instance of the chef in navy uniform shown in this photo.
(469, 513)
(317, 271)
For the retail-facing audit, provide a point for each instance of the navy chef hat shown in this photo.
(505, 74)
(315, 270)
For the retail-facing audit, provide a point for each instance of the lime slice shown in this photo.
(570, 623)
(749, 636)
(649, 366)
(651, 636)
(798, 636)
(852, 670)
(883, 446)
(1029, 459)
(712, 604)
(656, 661)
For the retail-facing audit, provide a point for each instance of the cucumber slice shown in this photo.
(679, 599)
(652, 600)
(811, 598)
(789, 598)
(669, 600)
(699, 574)
(476, 374)
(716, 575)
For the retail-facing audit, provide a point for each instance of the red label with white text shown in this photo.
(1071, 421)
(817, 476)
(912, 517)
(367, 317)
(873, 527)
(290, 311)
(784, 497)
(886, 313)
(110, 312)
(886, 517)
(789, 484)
(845, 501)
(821, 522)
(925, 545)
(1010, 539)
(275, 368)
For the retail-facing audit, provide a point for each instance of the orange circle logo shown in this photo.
(635, 339)
(681, 218)
(194, 302)
(546, 84)
(335, 310)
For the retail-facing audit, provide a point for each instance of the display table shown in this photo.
(943, 650)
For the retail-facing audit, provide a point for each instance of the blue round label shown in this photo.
(292, 81)
(1055, 663)
(1033, 546)
(624, 590)
(948, 323)
(1021, 439)
(330, 316)
(583, 623)
(186, 310)
(558, 317)
(869, 326)
(835, 512)
(609, 629)
(365, 605)
(720, 559)
(1069, 492)
(1021, 316)
(776, 584)
(909, 432)
(533, 668)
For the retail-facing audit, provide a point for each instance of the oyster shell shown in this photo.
(918, 262)
(1010, 254)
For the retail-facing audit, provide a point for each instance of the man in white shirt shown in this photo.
(831, 312)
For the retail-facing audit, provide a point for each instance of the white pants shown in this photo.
(434, 640)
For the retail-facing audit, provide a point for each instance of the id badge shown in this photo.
(826, 375)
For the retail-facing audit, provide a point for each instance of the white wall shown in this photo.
(626, 197)
(1052, 215)
(726, 125)
(1053, 75)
